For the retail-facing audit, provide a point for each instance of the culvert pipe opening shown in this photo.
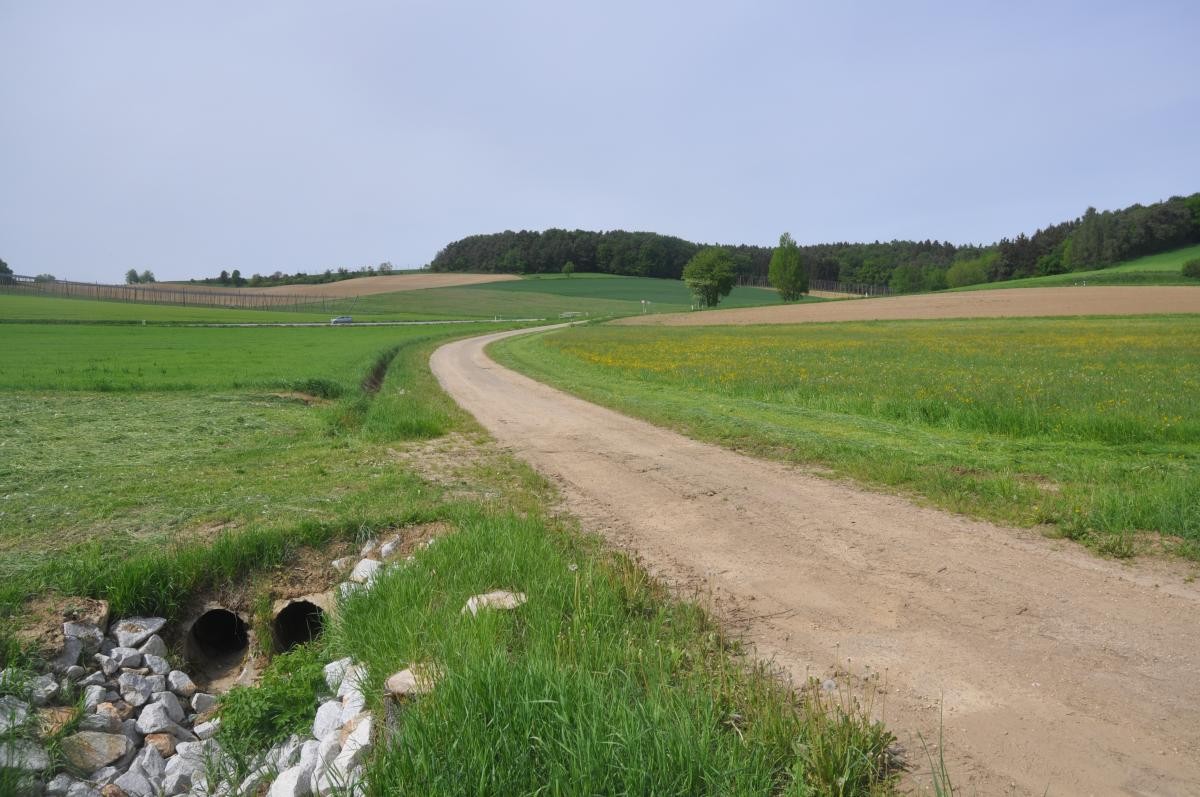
(218, 637)
(297, 623)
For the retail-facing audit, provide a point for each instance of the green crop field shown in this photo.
(17, 307)
(549, 296)
(1086, 424)
(150, 466)
(1160, 269)
(103, 359)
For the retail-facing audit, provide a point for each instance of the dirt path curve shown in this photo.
(1058, 670)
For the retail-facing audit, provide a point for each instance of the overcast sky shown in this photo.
(191, 137)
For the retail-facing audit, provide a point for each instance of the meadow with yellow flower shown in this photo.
(1088, 426)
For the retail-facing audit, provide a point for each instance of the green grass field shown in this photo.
(548, 296)
(1086, 424)
(132, 435)
(1160, 269)
(106, 359)
(150, 465)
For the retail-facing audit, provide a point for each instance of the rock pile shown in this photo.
(146, 729)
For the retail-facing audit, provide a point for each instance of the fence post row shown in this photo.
(160, 293)
(830, 286)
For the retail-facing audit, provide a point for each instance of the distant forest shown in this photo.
(1094, 240)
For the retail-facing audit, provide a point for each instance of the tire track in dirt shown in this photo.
(1057, 670)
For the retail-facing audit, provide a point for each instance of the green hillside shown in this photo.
(1160, 269)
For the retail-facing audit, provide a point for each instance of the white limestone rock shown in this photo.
(335, 671)
(154, 646)
(155, 719)
(90, 750)
(23, 756)
(157, 664)
(203, 701)
(126, 658)
(365, 571)
(42, 689)
(328, 719)
(169, 701)
(497, 599)
(93, 695)
(134, 631)
(410, 681)
(181, 684)
(13, 713)
(89, 635)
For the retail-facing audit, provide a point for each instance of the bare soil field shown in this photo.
(1013, 302)
(1057, 672)
(361, 286)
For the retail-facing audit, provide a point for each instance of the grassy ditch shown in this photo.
(1086, 424)
(190, 475)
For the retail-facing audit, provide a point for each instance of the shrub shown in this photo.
(1192, 268)
(321, 388)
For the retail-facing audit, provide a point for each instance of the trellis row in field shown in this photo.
(163, 293)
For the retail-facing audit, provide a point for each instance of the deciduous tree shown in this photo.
(709, 275)
(788, 273)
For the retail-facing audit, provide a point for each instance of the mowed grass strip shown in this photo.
(1087, 424)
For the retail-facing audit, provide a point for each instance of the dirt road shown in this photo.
(1057, 670)
(1001, 303)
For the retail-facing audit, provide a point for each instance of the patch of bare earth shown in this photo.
(360, 286)
(1004, 303)
(1055, 671)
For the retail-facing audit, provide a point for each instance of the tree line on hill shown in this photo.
(1094, 240)
(234, 279)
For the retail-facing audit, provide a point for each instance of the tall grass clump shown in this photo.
(282, 703)
(599, 684)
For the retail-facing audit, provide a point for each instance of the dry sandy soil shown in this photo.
(362, 286)
(1011, 302)
(1059, 672)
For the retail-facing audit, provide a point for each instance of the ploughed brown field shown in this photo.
(360, 286)
(1012, 302)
